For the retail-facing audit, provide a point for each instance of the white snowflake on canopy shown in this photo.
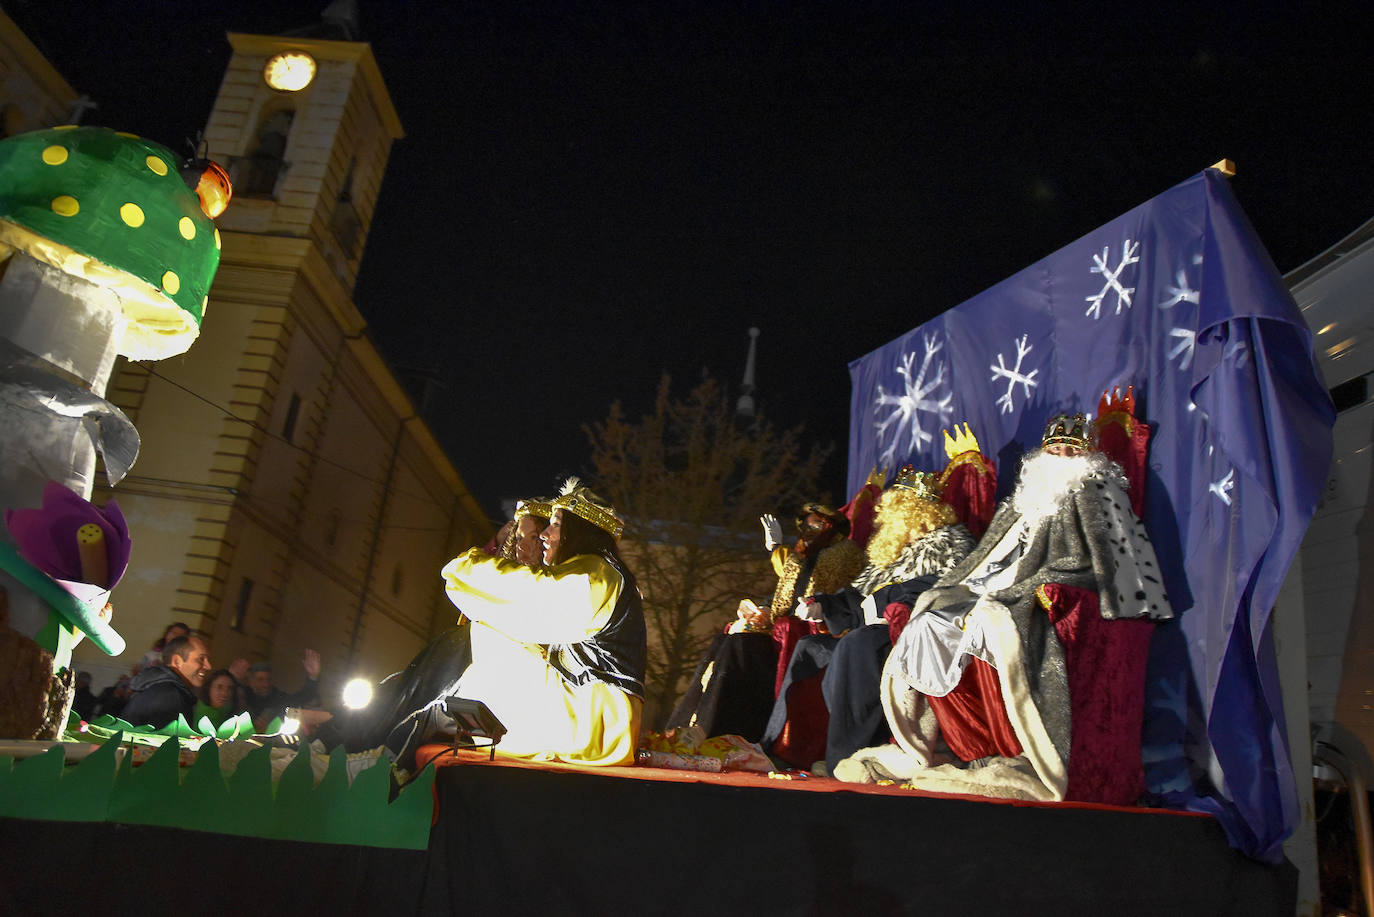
(1224, 487)
(1179, 292)
(1013, 375)
(1185, 342)
(1130, 254)
(918, 396)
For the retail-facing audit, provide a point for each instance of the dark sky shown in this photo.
(589, 195)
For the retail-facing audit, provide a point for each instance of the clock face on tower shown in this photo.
(289, 71)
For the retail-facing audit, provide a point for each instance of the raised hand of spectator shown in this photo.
(239, 669)
(311, 662)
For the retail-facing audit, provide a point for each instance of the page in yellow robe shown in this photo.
(515, 609)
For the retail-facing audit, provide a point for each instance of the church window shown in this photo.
(257, 173)
(293, 410)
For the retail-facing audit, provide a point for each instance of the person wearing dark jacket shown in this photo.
(112, 700)
(161, 692)
(264, 700)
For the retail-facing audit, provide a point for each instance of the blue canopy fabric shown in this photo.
(1178, 298)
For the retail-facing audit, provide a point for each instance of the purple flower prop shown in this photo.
(47, 537)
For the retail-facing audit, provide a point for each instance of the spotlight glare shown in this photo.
(357, 693)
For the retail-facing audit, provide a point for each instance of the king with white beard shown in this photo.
(1068, 523)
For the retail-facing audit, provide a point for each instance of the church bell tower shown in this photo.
(266, 500)
(305, 127)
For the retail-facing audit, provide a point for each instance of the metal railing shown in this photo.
(1338, 749)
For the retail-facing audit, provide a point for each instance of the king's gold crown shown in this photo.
(924, 483)
(962, 441)
(1071, 430)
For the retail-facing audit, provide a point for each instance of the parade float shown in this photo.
(1175, 297)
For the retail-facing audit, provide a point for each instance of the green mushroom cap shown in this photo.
(112, 208)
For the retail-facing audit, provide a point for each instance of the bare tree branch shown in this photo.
(692, 478)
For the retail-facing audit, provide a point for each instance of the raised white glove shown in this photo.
(870, 609)
(772, 531)
(808, 611)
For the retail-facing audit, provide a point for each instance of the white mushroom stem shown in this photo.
(67, 320)
(75, 327)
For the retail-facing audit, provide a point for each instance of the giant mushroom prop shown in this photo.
(104, 250)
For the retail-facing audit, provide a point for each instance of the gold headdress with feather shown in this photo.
(577, 499)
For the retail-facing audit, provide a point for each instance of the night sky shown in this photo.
(589, 195)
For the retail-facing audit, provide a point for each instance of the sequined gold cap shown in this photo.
(578, 500)
(924, 483)
(534, 506)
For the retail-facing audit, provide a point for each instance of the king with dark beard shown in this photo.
(731, 691)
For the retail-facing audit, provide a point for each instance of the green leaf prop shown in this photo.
(102, 728)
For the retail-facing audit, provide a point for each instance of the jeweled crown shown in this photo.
(924, 483)
(1070, 430)
(574, 499)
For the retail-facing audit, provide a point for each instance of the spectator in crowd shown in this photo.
(218, 698)
(266, 701)
(239, 670)
(154, 655)
(84, 700)
(162, 692)
(112, 700)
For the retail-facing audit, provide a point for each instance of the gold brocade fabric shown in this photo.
(836, 567)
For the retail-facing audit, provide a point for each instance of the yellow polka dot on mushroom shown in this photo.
(126, 134)
(132, 214)
(66, 127)
(188, 228)
(64, 205)
(217, 238)
(171, 283)
(157, 165)
(55, 155)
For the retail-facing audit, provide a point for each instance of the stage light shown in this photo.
(291, 723)
(357, 694)
(473, 720)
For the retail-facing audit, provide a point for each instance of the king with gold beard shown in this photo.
(917, 538)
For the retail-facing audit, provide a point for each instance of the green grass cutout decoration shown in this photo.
(200, 798)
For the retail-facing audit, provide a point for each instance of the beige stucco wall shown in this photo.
(32, 94)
